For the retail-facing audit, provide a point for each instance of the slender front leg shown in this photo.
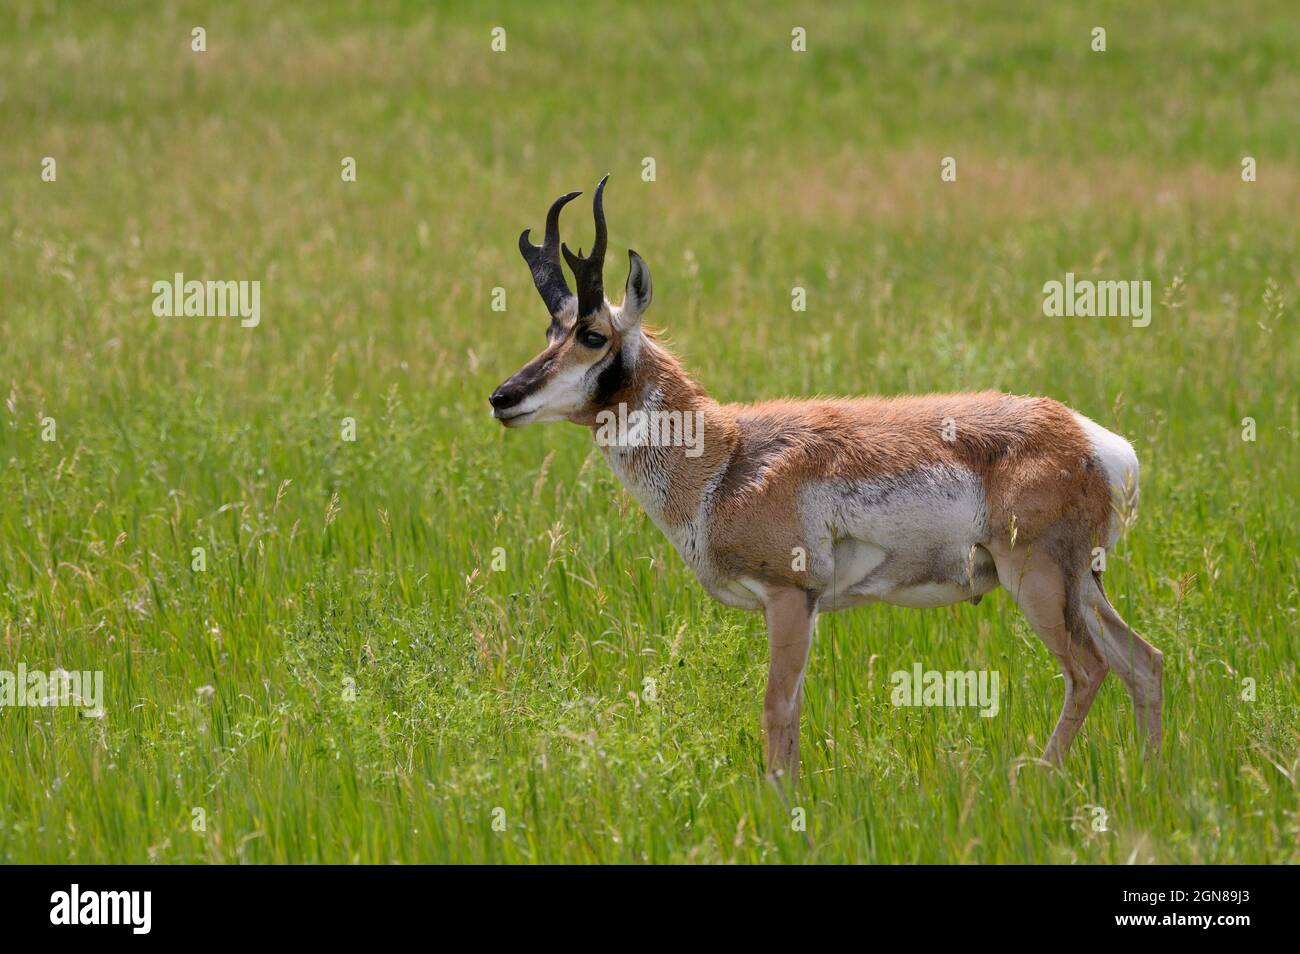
(790, 614)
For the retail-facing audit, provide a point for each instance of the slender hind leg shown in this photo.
(1139, 665)
(1044, 593)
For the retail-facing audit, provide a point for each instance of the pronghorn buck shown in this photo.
(792, 507)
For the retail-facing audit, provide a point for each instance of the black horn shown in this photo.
(589, 272)
(544, 260)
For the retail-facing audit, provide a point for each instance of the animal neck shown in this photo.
(664, 437)
(656, 380)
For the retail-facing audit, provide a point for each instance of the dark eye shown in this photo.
(592, 339)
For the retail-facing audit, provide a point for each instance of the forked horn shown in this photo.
(589, 272)
(544, 260)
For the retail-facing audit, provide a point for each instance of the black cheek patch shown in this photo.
(612, 380)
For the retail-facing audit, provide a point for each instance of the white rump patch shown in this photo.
(1119, 463)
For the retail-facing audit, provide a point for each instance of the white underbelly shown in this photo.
(866, 572)
(742, 593)
(912, 540)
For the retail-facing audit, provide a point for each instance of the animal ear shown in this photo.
(636, 298)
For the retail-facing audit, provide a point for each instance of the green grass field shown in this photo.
(350, 680)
